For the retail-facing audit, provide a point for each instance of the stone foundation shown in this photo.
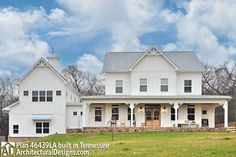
(139, 129)
(71, 131)
(20, 139)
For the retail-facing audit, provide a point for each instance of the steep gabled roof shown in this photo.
(42, 62)
(124, 61)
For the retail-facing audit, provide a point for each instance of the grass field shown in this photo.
(166, 144)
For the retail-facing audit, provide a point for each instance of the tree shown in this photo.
(85, 83)
(221, 80)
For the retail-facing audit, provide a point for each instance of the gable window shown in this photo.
(98, 114)
(164, 84)
(119, 86)
(35, 96)
(42, 127)
(143, 85)
(15, 129)
(26, 93)
(129, 114)
(58, 92)
(41, 95)
(187, 86)
(75, 113)
(49, 95)
(115, 112)
(191, 112)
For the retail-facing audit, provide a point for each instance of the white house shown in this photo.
(47, 104)
(152, 88)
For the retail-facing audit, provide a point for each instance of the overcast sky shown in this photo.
(81, 31)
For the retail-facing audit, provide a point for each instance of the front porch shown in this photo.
(165, 111)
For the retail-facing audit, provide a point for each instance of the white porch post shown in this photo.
(131, 106)
(225, 106)
(176, 107)
(84, 113)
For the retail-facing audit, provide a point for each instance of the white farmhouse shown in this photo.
(152, 88)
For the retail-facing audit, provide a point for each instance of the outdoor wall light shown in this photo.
(164, 109)
(141, 109)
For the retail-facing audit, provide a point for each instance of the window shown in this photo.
(98, 114)
(41, 95)
(49, 95)
(75, 113)
(191, 112)
(187, 86)
(58, 93)
(42, 127)
(15, 129)
(204, 111)
(115, 112)
(35, 96)
(26, 93)
(143, 85)
(172, 113)
(119, 86)
(164, 84)
(129, 114)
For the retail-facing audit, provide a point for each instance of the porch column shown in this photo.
(131, 106)
(176, 107)
(84, 113)
(225, 106)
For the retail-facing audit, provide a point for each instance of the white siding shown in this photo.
(73, 121)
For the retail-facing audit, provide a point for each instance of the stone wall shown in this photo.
(132, 129)
(71, 131)
(20, 139)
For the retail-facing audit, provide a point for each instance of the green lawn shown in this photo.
(172, 144)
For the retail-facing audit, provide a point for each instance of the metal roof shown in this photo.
(122, 61)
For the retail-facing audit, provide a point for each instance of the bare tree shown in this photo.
(85, 82)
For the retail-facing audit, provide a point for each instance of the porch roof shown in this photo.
(156, 99)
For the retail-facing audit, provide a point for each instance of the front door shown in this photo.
(152, 115)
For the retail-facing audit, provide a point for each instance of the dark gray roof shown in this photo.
(122, 61)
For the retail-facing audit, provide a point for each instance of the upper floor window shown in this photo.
(143, 85)
(49, 95)
(187, 86)
(58, 92)
(98, 114)
(41, 95)
(26, 93)
(164, 84)
(191, 112)
(119, 86)
(35, 96)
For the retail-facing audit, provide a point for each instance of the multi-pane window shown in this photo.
(58, 92)
(115, 112)
(143, 85)
(41, 95)
(75, 113)
(172, 113)
(49, 95)
(119, 86)
(204, 111)
(26, 93)
(129, 114)
(191, 112)
(35, 96)
(164, 84)
(187, 86)
(98, 114)
(15, 129)
(42, 127)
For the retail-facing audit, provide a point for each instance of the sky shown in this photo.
(82, 31)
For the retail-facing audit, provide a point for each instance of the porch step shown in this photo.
(231, 129)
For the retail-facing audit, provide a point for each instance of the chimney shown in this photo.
(54, 62)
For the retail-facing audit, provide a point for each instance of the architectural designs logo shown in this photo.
(7, 148)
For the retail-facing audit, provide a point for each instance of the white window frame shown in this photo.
(164, 83)
(96, 115)
(141, 84)
(119, 85)
(188, 86)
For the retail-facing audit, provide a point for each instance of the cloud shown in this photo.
(89, 63)
(203, 27)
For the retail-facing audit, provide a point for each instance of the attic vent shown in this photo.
(41, 63)
(153, 51)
